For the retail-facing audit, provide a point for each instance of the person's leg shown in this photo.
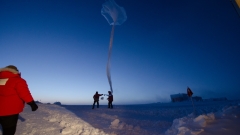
(97, 104)
(111, 104)
(9, 124)
(9, 130)
(93, 104)
(108, 104)
(1, 123)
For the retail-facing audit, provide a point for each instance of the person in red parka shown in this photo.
(110, 100)
(96, 99)
(14, 93)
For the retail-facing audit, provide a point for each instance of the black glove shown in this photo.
(33, 105)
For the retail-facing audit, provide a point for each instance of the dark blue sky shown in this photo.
(164, 46)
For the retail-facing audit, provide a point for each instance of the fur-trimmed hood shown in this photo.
(9, 69)
(8, 73)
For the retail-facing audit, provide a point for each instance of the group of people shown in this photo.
(96, 99)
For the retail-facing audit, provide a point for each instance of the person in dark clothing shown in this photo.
(110, 99)
(14, 94)
(96, 99)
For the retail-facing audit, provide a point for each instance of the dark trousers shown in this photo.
(110, 104)
(9, 124)
(94, 104)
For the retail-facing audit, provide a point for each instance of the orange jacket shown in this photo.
(14, 92)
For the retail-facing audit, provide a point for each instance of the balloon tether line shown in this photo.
(109, 58)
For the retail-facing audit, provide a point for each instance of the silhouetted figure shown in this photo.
(110, 99)
(96, 99)
(14, 94)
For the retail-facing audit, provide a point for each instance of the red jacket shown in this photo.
(14, 92)
(110, 97)
(96, 97)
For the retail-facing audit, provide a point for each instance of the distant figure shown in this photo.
(14, 93)
(110, 99)
(96, 99)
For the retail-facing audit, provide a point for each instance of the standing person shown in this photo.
(96, 99)
(110, 99)
(14, 93)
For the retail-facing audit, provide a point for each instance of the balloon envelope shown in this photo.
(114, 14)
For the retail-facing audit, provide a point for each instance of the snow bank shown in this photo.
(214, 123)
(190, 125)
(70, 123)
(53, 120)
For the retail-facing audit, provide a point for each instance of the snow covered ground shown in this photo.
(210, 118)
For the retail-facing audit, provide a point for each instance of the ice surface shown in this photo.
(215, 117)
